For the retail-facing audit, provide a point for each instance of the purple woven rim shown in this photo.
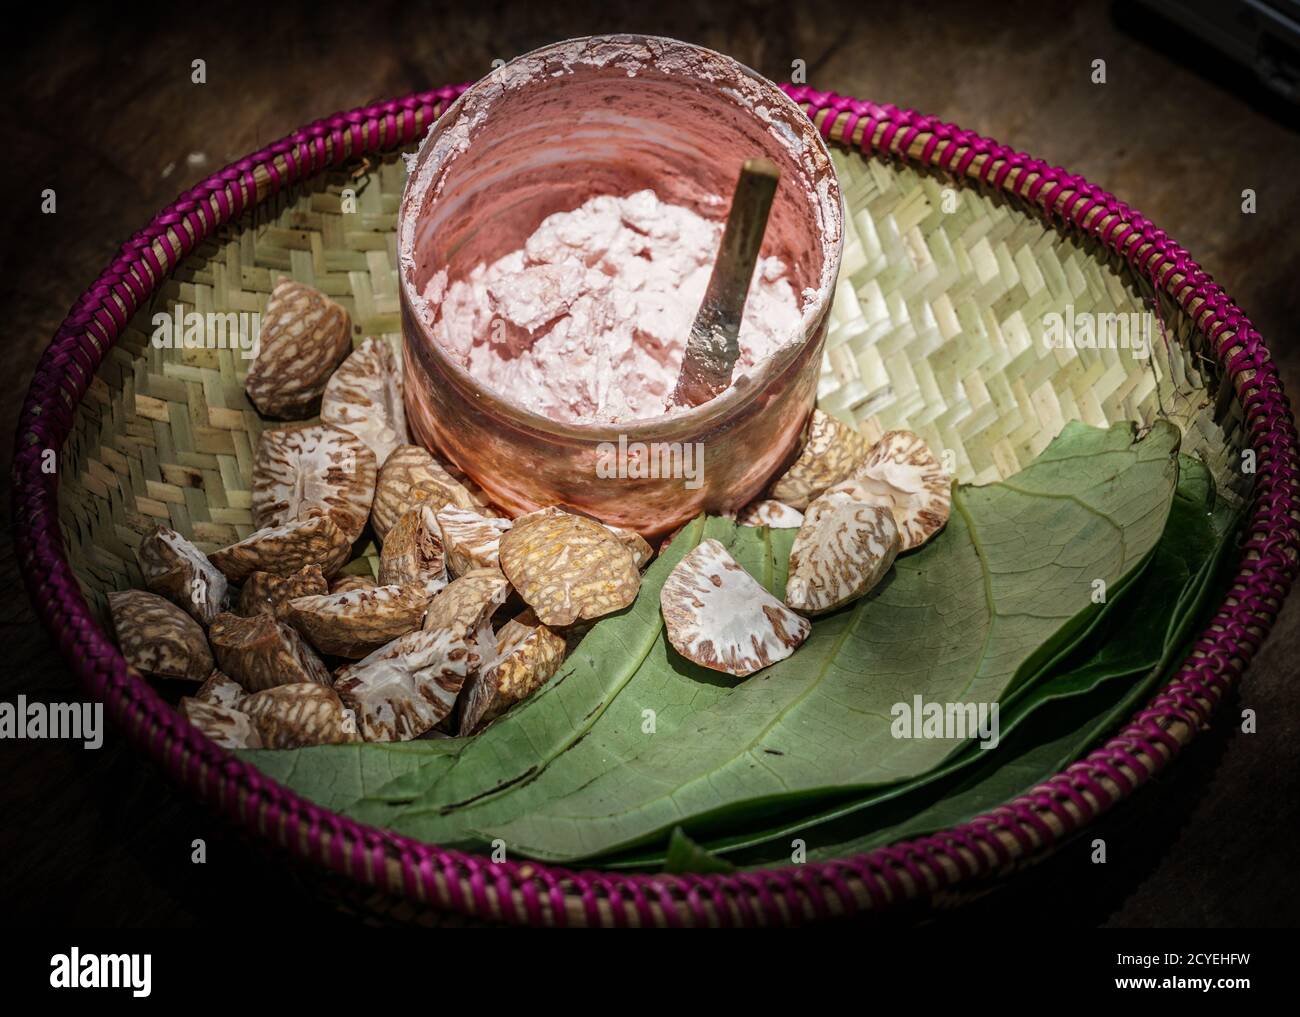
(524, 892)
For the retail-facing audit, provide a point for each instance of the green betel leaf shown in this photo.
(339, 776)
(1007, 587)
(1139, 638)
(684, 855)
(621, 686)
(1056, 735)
(629, 740)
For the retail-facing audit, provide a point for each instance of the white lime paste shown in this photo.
(588, 322)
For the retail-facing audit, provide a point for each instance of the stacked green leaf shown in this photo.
(1143, 635)
(630, 742)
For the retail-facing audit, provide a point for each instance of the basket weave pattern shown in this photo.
(1204, 320)
(938, 327)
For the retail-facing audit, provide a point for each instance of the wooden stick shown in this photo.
(714, 346)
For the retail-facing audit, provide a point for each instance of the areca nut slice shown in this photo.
(265, 593)
(844, 548)
(720, 617)
(471, 540)
(179, 571)
(157, 638)
(776, 515)
(830, 455)
(467, 605)
(284, 550)
(304, 471)
(641, 550)
(413, 551)
(226, 724)
(527, 655)
(221, 690)
(639, 547)
(304, 336)
(354, 581)
(411, 475)
(353, 623)
(903, 475)
(406, 687)
(567, 567)
(364, 396)
(260, 652)
(300, 715)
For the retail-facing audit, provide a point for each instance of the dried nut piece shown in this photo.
(719, 616)
(472, 541)
(284, 550)
(265, 593)
(157, 638)
(527, 655)
(357, 622)
(364, 396)
(309, 470)
(405, 688)
(830, 455)
(466, 605)
(304, 336)
(402, 690)
(229, 727)
(567, 567)
(843, 549)
(220, 690)
(774, 514)
(413, 551)
(409, 476)
(179, 571)
(478, 498)
(299, 715)
(351, 582)
(463, 613)
(260, 652)
(642, 552)
(903, 475)
(482, 503)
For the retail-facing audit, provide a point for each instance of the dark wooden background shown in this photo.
(99, 106)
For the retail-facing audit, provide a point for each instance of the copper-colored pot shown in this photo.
(546, 132)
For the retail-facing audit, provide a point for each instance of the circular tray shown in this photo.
(954, 242)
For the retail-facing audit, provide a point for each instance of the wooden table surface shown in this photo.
(103, 111)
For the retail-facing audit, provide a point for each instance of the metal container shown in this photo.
(543, 134)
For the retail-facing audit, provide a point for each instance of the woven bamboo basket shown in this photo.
(956, 249)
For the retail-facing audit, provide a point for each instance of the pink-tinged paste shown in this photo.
(589, 321)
